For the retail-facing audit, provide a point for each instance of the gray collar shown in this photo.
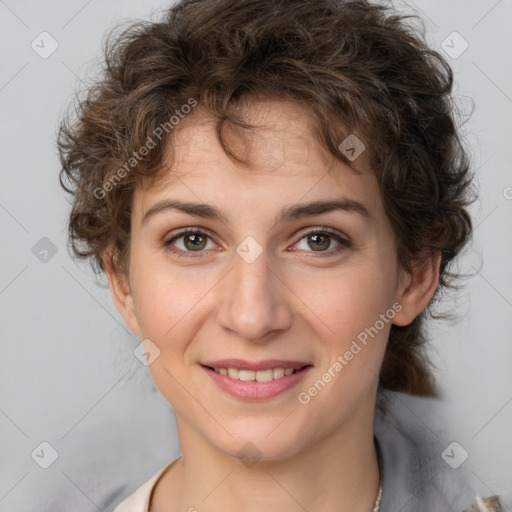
(415, 476)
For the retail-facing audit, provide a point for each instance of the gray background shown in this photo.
(68, 375)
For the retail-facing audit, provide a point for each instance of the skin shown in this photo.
(283, 305)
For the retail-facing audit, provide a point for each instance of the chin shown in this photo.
(262, 442)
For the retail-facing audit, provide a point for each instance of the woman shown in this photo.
(276, 191)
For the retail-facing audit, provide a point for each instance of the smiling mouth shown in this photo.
(265, 375)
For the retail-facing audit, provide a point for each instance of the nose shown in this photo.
(254, 302)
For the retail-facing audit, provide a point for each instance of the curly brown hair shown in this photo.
(359, 68)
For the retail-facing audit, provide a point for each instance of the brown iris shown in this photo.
(196, 240)
(324, 241)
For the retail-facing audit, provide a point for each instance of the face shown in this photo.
(256, 279)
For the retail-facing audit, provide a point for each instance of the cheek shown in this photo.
(167, 301)
(353, 321)
(346, 301)
(168, 309)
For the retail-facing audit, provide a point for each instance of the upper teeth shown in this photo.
(260, 375)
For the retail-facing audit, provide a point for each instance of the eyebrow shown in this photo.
(287, 214)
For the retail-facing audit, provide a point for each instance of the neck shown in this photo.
(340, 473)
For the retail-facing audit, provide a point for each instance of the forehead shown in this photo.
(280, 137)
(286, 163)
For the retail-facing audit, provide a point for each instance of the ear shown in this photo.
(121, 292)
(417, 288)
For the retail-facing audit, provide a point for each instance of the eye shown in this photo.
(188, 241)
(321, 239)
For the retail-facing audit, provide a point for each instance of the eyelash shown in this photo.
(344, 243)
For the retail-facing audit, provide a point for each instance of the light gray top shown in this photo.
(416, 478)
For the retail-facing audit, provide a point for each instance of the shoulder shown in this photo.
(416, 476)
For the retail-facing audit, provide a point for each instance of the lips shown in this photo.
(256, 380)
